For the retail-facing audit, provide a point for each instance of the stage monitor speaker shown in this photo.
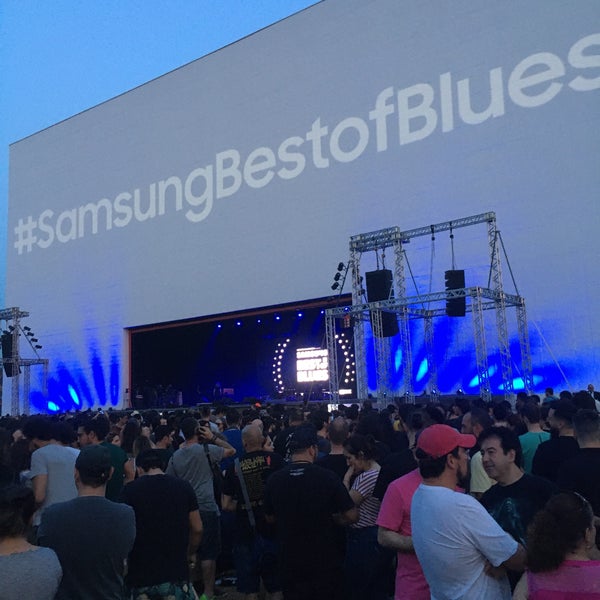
(455, 280)
(7, 353)
(379, 287)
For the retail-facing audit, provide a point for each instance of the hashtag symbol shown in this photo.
(24, 234)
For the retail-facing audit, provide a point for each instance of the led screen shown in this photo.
(311, 365)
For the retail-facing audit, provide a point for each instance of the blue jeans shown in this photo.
(366, 565)
(254, 559)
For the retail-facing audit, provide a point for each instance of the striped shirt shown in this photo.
(369, 508)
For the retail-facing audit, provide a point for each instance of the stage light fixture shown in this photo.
(34, 339)
(38, 347)
(337, 276)
(335, 286)
(340, 266)
(238, 323)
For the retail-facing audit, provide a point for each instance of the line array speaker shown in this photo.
(455, 280)
(7, 352)
(379, 287)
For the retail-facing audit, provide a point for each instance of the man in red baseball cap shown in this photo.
(457, 542)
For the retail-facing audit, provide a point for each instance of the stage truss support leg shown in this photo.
(382, 355)
(362, 387)
(407, 359)
(500, 302)
(26, 388)
(480, 345)
(332, 362)
(430, 353)
(526, 363)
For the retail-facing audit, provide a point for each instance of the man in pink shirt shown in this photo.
(395, 532)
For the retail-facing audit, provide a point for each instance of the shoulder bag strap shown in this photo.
(240, 475)
(210, 462)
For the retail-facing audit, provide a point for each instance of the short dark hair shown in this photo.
(162, 431)
(319, 418)
(564, 410)
(99, 425)
(188, 427)
(501, 411)
(481, 417)
(430, 467)
(38, 427)
(531, 411)
(17, 505)
(232, 416)
(508, 441)
(586, 423)
(64, 433)
(295, 415)
(583, 400)
(462, 403)
(149, 459)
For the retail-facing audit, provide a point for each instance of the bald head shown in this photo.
(252, 438)
(338, 431)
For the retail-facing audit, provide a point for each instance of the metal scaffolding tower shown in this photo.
(12, 317)
(407, 308)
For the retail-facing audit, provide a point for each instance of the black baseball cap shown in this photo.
(94, 461)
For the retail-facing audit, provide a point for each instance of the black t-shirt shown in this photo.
(514, 506)
(336, 463)
(162, 506)
(581, 474)
(551, 454)
(303, 497)
(395, 465)
(256, 467)
(282, 440)
(165, 456)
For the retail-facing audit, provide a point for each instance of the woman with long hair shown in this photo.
(562, 556)
(366, 561)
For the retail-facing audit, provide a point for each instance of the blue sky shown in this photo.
(60, 57)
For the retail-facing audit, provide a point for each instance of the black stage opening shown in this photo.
(235, 357)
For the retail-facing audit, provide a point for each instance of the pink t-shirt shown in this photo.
(573, 580)
(395, 515)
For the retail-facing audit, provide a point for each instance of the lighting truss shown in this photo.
(13, 317)
(407, 308)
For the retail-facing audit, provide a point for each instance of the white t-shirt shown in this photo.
(453, 535)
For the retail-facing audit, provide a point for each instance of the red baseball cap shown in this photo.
(438, 440)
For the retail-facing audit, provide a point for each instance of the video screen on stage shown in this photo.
(311, 365)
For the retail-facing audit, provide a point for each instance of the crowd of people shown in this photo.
(471, 501)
